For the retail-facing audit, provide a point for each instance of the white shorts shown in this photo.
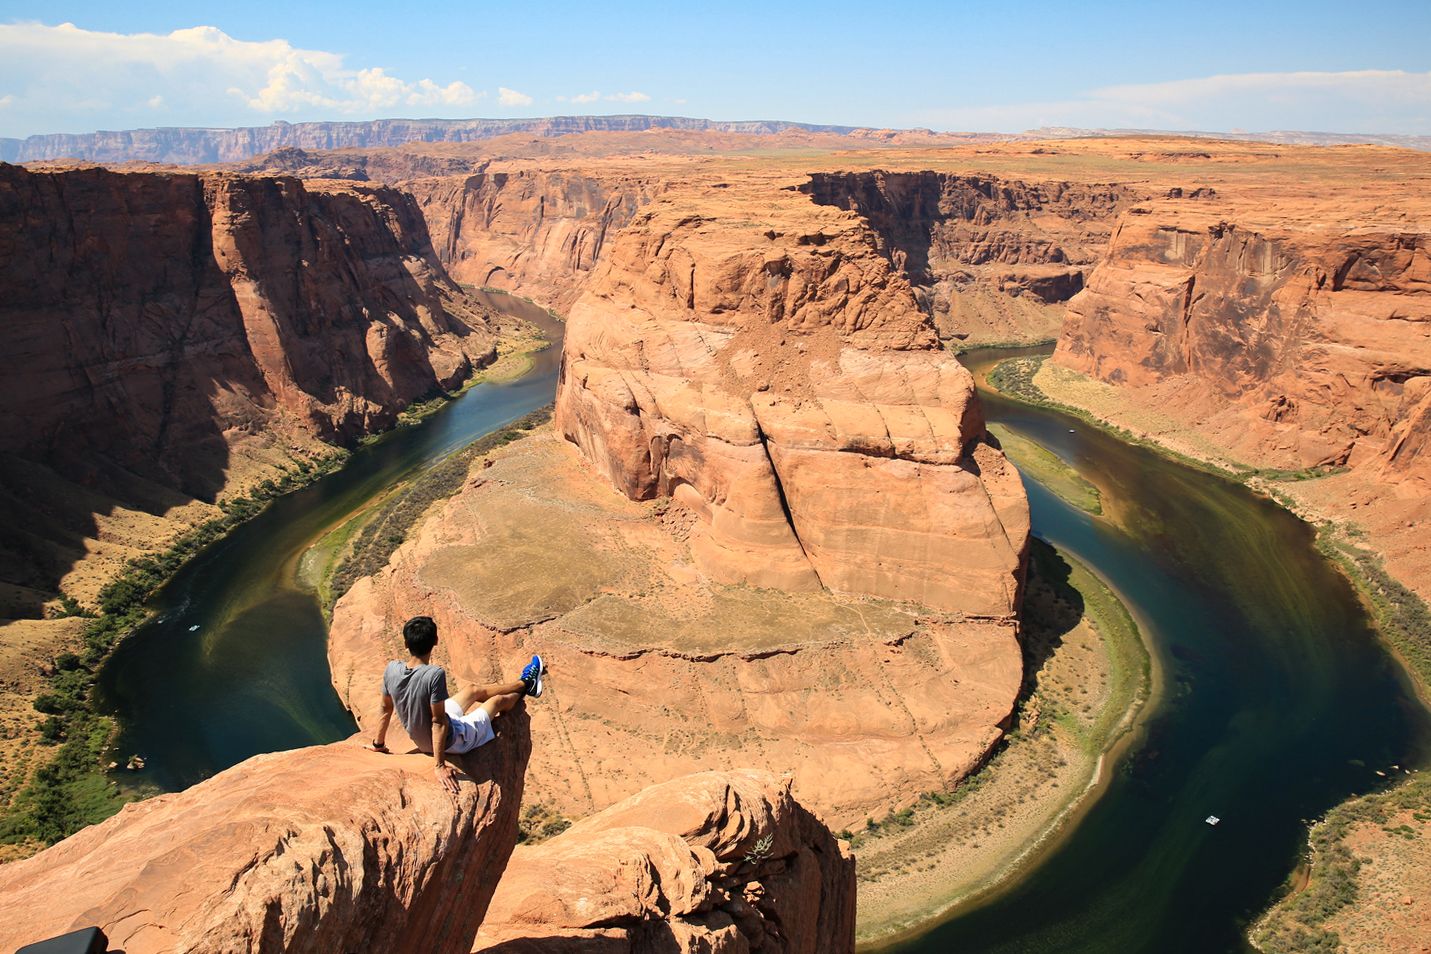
(469, 730)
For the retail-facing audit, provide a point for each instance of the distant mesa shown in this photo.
(199, 145)
(192, 145)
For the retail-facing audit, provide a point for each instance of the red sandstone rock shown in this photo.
(326, 849)
(1299, 340)
(188, 304)
(531, 231)
(648, 657)
(987, 256)
(772, 373)
(716, 862)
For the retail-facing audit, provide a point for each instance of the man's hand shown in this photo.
(376, 746)
(446, 777)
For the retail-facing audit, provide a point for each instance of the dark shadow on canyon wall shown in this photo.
(156, 322)
(948, 231)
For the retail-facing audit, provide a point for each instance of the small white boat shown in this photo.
(1212, 820)
(194, 627)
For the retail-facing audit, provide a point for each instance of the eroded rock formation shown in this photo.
(648, 656)
(716, 862)
(173, 336)
(324, 849)
(1305, 341)
(987, 256)
(753, 356)
(336, 848)
(530, 231)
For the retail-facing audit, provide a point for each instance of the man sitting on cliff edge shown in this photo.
(437, 723)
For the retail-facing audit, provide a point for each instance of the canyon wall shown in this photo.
(1272, 333)
(323, 849)
(720, 862)
(535, 230)
(990, 259)
(752, 355)
(171, 337)
(532, 232)
(1291, 343)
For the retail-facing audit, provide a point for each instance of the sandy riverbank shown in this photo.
(1089, 678)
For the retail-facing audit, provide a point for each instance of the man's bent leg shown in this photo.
(498, 704)
(469, 696)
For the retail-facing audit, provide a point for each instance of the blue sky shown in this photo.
(955, 66)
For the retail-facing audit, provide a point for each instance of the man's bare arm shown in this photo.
(380, 740)
(446, 774)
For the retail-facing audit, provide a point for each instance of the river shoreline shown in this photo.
(1057, 809)
(1332, 534)
(1312, 899)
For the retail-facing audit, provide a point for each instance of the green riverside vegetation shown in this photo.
(1297, 925)
(73, 789)
(1401, 616)
(1014, 378)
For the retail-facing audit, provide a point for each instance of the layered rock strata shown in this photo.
(331, 848)
(755, 358)
(716, 862)
(533, 232)
(1312, 343)
(1256, 335)
(172, 336)
(990, 258)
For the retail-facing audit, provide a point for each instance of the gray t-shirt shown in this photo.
(414, 692)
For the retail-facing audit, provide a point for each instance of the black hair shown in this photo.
(420, 634)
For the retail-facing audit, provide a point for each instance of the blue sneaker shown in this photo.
(532, 676)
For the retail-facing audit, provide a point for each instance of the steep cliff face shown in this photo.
(537, 233)
(331, 848)
(720, 862)
(171, 336)
(772, 373)
(336, 848)
(989, 258)
(1296, 345)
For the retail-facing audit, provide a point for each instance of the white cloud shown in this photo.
(590, 97)
(1392, 101)
(65, 76)
(631, 97)
(510, 97)
(6, 100)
